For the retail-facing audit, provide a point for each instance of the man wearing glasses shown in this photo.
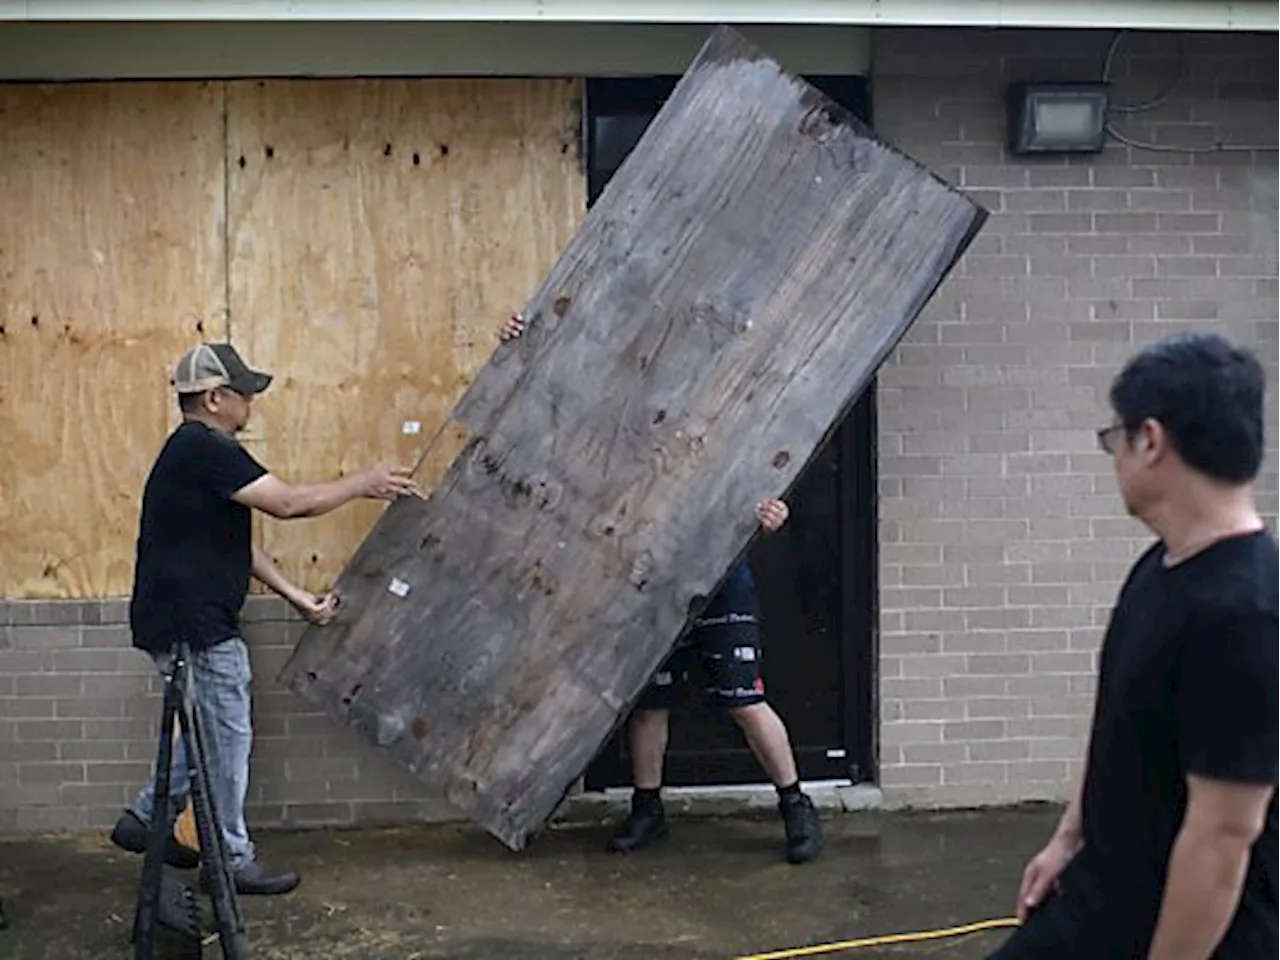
(194, 559)
(1169, 848)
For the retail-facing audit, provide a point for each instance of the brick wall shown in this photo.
(79, 715)
(1003, 540)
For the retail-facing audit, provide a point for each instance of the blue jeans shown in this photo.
(221, 676)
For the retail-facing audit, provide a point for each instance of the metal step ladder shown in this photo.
(164, 899)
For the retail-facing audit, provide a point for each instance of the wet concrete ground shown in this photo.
(714, 890)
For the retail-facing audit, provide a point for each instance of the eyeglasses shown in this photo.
(1107, 437)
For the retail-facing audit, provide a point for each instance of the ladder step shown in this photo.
(179, 911)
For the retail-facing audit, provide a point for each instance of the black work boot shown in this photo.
(132, 834)
(803, 826)
(646, 823)
(256, 878)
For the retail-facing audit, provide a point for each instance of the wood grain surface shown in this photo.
(111, 265)
(380, 232)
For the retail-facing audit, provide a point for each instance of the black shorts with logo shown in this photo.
(722, 649)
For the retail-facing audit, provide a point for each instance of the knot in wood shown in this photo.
(546, 492)
(604, 525)
(641, 568)
(543, 581)
(705, 313)
(388, 728)
(818, 122)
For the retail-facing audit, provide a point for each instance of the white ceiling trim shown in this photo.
(1254, 15)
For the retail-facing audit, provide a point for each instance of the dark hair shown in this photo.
(1207, 393)
(189, 402)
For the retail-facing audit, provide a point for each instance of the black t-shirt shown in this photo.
(1187, 684)
(194, 545)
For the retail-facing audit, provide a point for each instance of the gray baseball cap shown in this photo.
(213, 365)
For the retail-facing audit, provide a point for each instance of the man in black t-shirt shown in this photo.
(1169, 848)
(195, 556)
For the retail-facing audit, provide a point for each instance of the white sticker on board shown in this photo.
(398, 587)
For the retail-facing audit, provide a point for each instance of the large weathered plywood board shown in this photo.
(111, 264)
(723, 305)
(380, 231)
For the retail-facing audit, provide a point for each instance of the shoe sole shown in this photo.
(268, 892)
(614, 847)
(178, 857)
(793, 858)
(265, 891)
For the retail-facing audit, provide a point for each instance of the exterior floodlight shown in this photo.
(1057, 117)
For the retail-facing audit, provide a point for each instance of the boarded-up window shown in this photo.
(376, 233)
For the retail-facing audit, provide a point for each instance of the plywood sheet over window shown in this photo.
(111, 261)
(380, 230)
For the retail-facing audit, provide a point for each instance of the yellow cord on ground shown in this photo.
(885, 940)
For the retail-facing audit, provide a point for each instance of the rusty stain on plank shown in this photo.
(722, 307)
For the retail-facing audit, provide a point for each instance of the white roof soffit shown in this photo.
(1259, 15)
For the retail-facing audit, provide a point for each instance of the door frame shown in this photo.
(857, 610)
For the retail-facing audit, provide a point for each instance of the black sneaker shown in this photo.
(646, 823)
(256, 878)
(132, 834)
(803, 826)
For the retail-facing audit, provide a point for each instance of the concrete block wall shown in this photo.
(80, 711)
(1003, 539)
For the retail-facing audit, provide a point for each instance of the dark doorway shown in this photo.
(816, 576)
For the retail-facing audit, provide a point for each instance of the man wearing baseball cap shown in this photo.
(194, 559)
